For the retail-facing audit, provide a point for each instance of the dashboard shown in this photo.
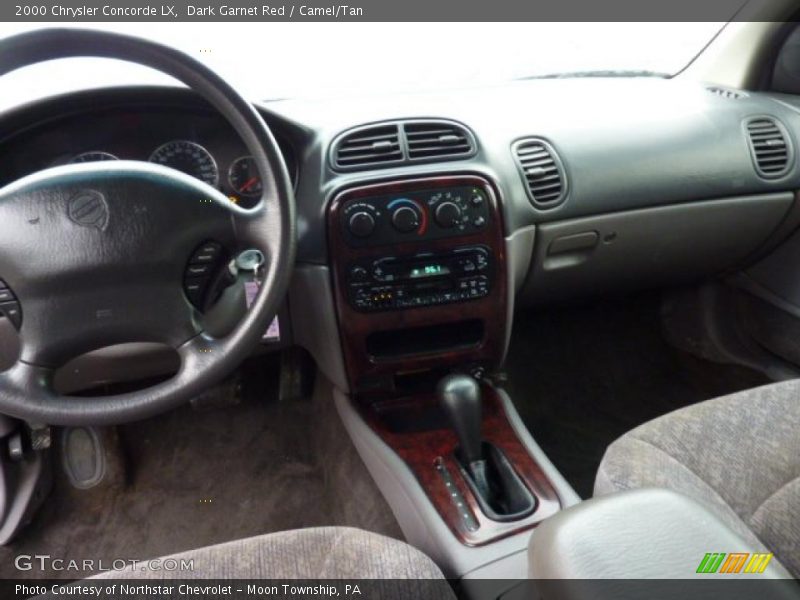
(559, 188)
(189, 139)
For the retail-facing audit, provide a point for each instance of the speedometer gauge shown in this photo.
(189, 158)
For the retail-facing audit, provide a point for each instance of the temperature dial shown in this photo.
(405, 219)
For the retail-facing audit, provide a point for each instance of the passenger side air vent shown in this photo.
(769, 146)
(437, 139)
(542, 171)
(368, 146)
(726, 93)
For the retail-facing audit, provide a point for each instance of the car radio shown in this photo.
(390, 283)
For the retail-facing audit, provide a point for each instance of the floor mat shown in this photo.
(582, 376)
(200, 477)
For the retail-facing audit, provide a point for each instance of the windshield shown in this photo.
(280, 60)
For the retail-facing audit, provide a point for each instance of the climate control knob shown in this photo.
(448, 214)
(361, 224)
(405, 219)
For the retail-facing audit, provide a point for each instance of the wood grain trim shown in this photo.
(420, 451)
(356, 326)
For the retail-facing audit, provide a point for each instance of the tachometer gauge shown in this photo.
(188, 157)
(92, 156)
(243, 177)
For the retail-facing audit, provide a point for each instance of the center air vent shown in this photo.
(542, 171)
(436, 139)
(769, 146)
(401, 142)
(368, 146)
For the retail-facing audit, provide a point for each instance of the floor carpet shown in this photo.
(200, 477)
(582, 376)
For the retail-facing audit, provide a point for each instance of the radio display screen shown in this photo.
(421, 271)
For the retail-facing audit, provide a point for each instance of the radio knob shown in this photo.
(448, 214)
(405, 219)
(361, 224)
(358, 274)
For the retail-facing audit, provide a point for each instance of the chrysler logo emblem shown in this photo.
(88, 208)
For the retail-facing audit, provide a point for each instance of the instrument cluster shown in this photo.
(240, 181)
(197, 143)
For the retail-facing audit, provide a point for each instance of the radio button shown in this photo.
(358, 274)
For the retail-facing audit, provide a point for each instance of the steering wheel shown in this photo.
(96, 254)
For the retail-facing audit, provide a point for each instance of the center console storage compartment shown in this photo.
(428, 339)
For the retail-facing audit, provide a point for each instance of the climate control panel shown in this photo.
(417, 215)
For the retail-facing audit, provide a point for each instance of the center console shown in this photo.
(420, 282)
(419, 273)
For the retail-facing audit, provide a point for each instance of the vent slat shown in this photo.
(542, 162)
(368, 148)
(542, 178)
(368, 160)
(437, 145)
(436, 140)
(438, 152)
(542, 172)
(371, 146)
(433, 133)
(371, 138)
(532, 154)
(400, 142)
(770, 147)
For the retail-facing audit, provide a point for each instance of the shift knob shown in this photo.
(460, 397)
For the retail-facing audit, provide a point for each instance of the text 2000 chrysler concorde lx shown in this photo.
(505, 325)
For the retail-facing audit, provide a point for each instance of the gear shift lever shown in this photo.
(460, 396)
(497, 487)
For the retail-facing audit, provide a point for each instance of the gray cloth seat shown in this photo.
(739, 455)
(313, 553)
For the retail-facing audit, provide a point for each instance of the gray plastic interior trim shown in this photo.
(566, 494)
(519, 252)
(314, 321)
(661, 533)
(652, 247)
(419, 520)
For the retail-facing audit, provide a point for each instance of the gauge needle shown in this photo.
(248, 184)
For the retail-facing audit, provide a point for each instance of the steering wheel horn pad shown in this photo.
(95, 253)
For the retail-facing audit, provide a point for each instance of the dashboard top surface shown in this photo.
(624, 143)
